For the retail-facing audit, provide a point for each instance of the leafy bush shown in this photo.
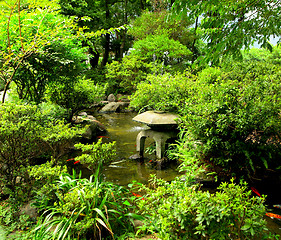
(155, 23)
(264, 55)
(96, 154)
(20, 133)
(97, 75)
(159, 48)
(162, 92)
(24, 138)
(184, 152)
(237, 121)
(85, 208)
(37, 48)
(164, 34)
(75, 95)
(39, 70)
(124, 76)
(250, 70)
(26, 135)
(211, 75)
(43, 179)
(178, 210)
(53, 112)
(10, 222)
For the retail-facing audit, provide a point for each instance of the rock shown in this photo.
(138, 223)
(97, 105)
(77, 119)
(135, 157)
(111, 98)
(115, 107)
(122, 98)
(101, 127)
(29, 210)
(91, 117)
(89, 133)
(102, 103)
(82, 114)
(94, 126)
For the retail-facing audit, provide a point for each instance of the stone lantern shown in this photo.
(162, 126)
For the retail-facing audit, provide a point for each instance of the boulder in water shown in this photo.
(114, 107)
(111, 98)
(94, 127)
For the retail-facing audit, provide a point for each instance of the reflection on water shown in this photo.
(122, 129)
(136, 129)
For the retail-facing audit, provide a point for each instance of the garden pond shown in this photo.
(123, 170)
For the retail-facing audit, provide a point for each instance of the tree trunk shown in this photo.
(94, 57)
(107, 37)
(106, 50)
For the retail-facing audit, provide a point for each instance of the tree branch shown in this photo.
(20, 27)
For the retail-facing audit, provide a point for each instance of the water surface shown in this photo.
(122, 129)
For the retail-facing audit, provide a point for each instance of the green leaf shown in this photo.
(135, 216)
(245, 227)
(127, 203)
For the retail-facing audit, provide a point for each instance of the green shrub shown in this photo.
(11, 222)
(160, 48)
(52, 111)
(264, 55)
(124, 76)
(179, 210)
(75, 95)
(39, 70)
(237, 122)
(86, 208)
(211, 75)
(43, 179)
(38, 48)
(163, 92)
(20, 133)
(96, 154)
(184, 152)
(25, 136)
(155, 23)
(250, 70)
(161, 37)
(97, 75)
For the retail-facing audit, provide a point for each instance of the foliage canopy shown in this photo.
(228, 26)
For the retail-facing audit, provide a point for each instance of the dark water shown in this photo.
(122, 129)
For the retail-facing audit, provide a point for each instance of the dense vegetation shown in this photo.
(60, 57)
